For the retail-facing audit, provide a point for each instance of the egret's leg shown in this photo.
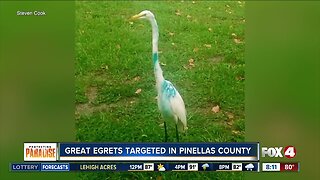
(165, 132)
(177, 133)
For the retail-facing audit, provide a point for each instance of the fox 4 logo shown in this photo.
(289, 151)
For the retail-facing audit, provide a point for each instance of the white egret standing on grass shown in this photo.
(170, 102)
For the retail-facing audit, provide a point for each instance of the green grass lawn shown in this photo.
(113, 61)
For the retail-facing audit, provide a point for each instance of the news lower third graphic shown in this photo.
(206, 157)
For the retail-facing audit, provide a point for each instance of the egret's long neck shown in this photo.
(155, 35)
(155, 55)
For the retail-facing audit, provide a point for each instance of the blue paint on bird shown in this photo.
(168, 89)
(165, 107)
(155, 57)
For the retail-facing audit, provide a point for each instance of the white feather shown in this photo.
(179, 112)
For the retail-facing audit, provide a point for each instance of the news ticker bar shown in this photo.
(229, 166)
(63, 167)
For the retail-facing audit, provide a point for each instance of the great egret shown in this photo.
(170, 102)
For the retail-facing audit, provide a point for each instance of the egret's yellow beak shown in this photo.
(135, 17)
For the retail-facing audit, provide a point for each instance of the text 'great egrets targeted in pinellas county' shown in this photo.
(157, 150)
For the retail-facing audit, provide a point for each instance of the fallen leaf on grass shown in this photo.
(188, 16)
(193, 2)
(130, 22)
(178, 13)
(215, 109)
(173, 44)
(137, 78)
(195, 50)
(171, 33)
(138, 91)
(229, 115)
(237, 41)
(207, 45)
(163, 64)
(210, 29)
(191, 62)
(236, 132)
(230, 123)
(234, 35)
(240, 78)
(105, 67)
